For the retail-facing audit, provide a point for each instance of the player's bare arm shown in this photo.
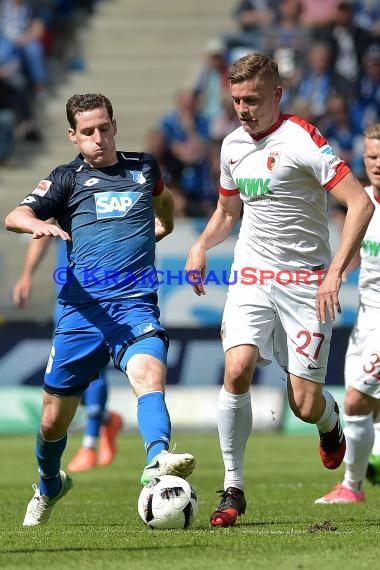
(354, 264)
(164, 213)
(23, 220)
(217, 230)
(350, 193)
(35, 253)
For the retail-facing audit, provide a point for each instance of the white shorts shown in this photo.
(362, 365)
(281, 321)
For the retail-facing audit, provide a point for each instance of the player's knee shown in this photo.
(52, 429)
(358, 404)
(149, 383)
(146, 373)
(54, 423)
(238, 376)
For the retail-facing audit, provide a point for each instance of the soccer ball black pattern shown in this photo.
(168, 502)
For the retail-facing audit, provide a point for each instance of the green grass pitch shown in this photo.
(97, 525)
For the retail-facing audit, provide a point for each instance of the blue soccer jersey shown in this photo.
(108, 212)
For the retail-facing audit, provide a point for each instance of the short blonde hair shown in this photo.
(253, 65)
(372, 132)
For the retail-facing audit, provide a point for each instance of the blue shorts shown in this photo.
(87, 336)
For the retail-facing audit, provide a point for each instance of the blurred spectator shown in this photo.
(214, 159)
(367, 16)
(9, 58)
(23, 22)
(62, 39)
(366, 110)
(287, 40)
(32, 32)
(7, 124)
(348, 41)
(300, 107)
(317, 13)
(319, 80)
(212, 80)
(14, 91)
(226, 122)
(252, 18)
(339, 129)
(170, 166)
(187, 135)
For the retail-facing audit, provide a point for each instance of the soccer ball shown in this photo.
(168, 502)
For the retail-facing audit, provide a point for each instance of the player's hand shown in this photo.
(160, 230)
(41, 229)
(21, 292)
(195, 269)
(327, 298)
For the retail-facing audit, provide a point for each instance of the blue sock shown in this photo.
(95, 399)
(154, 423)
(48, 454)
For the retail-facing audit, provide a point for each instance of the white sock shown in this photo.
(234, 417)
(376, 445)
(90, 441)
(329, 417)
(359, 440)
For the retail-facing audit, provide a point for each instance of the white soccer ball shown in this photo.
(168, 502)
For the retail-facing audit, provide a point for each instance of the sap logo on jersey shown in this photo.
(114, 204)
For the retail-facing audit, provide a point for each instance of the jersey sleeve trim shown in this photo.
(158, 188)
(225, 192)
(341, 171)
(314, 133)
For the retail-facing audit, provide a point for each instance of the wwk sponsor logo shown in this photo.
(253, 186)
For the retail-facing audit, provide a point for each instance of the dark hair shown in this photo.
(253, 65)
(86, 102)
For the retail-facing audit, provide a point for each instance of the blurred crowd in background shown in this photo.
(38, 41)
(328, 52)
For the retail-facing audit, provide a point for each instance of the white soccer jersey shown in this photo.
(281, 176)
(369, 275)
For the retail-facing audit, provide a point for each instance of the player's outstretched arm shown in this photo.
(217, 230)
(164, 213)
(23, 220)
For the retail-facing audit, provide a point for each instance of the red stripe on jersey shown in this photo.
(271, 129)
(341, 171)
(159, 188)
(311, 129)
(225, 192)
